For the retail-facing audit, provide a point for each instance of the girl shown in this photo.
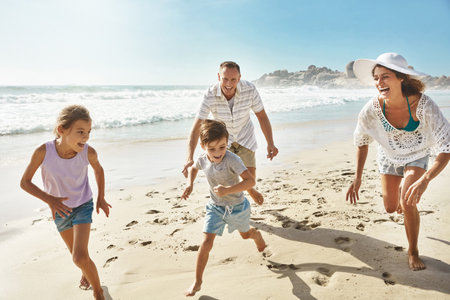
(407, 124)
(64, 167)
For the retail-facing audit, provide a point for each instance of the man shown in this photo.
(230, 101)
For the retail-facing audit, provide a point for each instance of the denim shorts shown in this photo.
(237, 217)
(79, 215)
(388, 168)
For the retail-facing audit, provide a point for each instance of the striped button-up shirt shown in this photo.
(237, 120)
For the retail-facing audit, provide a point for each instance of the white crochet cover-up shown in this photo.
(399, 146)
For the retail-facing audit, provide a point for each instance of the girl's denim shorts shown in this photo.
(80, 215)
(237, 217)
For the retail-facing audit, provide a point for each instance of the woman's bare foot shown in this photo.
(194, 288)
(415, 263)
(256, 196)
(84, 283)
(399, 208)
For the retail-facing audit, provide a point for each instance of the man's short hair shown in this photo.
(230, 64)
(212, 130)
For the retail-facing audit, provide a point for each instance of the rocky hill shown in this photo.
(327, 78)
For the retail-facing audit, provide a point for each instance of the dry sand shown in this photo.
(319, 246)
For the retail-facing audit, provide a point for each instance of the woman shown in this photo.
(407, 125)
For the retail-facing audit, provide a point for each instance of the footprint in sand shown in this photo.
(325, 271)
(146, 243)
(380, 221)
(192, 248)
(387, 277)
(360, 227)
(110, 260)
(343, 242)
(267, 253)
(321, 280)
(131, 223)
(426, 212)
(111, 246)
(152, 211)
(228, 260)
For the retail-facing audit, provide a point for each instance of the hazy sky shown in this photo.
(183, 41)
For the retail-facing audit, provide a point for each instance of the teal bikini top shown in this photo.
(412, 125)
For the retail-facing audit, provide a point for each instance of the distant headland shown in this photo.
(326, 78)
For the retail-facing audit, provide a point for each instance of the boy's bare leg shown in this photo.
(254, 234)
(202, 260)
(256, 196)
(412, 220)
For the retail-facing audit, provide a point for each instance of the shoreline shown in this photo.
(318, 245)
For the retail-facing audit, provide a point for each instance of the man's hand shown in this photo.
(272, 151)
(188, 164)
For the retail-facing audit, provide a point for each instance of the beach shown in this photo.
(319, 246)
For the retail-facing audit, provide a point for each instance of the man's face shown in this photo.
(229, 79)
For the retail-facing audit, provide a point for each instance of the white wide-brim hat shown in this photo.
(363, 67)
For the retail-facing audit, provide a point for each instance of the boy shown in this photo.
(228, 204)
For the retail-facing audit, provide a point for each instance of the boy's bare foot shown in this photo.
(256, 196)
(415, 263)
(194, 288)
(260, 243)
(84, 283)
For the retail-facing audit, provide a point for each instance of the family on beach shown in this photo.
(407, 125)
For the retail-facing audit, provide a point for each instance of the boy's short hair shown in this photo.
(212, 130)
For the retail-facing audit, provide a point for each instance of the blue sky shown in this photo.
(90, 42)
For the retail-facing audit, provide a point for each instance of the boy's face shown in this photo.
(216, 150)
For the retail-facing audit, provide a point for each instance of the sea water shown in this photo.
(140, 132)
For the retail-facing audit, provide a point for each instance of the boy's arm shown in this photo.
(55, 203)
(248, 181)
(188, 190)
(100, 178)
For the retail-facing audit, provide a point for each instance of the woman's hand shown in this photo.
(415, 191)
(353, 190)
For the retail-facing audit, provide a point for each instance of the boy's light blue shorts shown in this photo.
(80, 215)
(388, 168)
(237, 217)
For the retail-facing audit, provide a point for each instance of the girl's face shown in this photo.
(387, 83)
(216, 150)
(77, 135)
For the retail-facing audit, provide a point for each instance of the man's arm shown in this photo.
(266, 128)
(192, 144)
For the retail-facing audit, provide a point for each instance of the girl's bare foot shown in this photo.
(195, 287)
(84, 283)
(415, 263)
(99, 295)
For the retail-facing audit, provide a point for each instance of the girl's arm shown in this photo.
(248, 181)
(188, 190)
(361, 156)
(100, 178)
(416, 190)
(55, 203)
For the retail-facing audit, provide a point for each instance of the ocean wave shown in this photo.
(34, 109)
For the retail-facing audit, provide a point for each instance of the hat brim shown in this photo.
(363, 70)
